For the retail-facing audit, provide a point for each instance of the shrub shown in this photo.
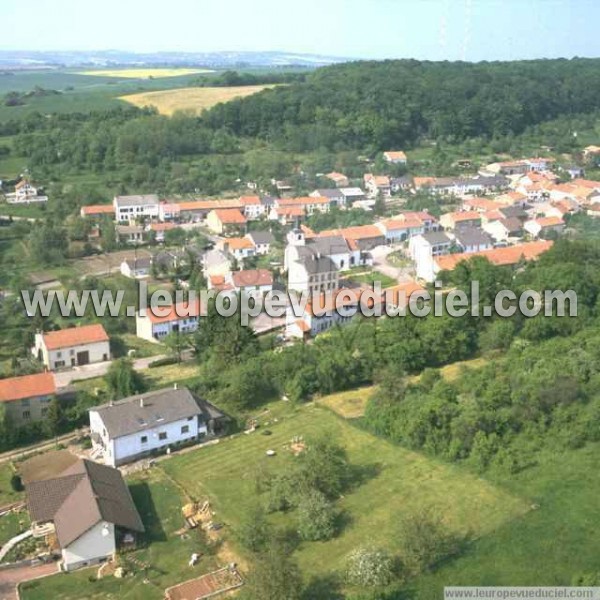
(16, 484)
(316, 517)
(369, 567)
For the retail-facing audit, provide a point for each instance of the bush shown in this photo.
(369, 567)
(316, 517)
(16, 484)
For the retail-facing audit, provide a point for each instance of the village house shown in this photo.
(135, 208)
(154, 324)
(72, 347)
(196, 211)
(480, 205)
(424, 248)
(322, 313)
(377, 184)
(26, 398)
(97, 211)
(504, 229)
(25, 193)
(169, 211)
(339, 179)
(308, 269)
(253, 207)
(398, 297)
(137, 268)
(512, 198)
(395, 157)
(239, 247)
(509, 256)
(88, 509)
(130, 234)
(128, 429)
(359, 237)
(454, 220)
(226, 221)
(310, 204)
(352, 195)
(520, 167)
(284, 188)
(262, 241)
(405, 225)
(159, 230)
(334, 196)
(472, 239)
(253, 282)
(591, 151)
(544, 226)
(401, 184)
(287, 215)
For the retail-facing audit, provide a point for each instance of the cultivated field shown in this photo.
(391, 483)
(191, 99)
(144, 73)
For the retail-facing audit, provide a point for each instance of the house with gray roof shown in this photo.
(128, 429)
(473, 239)
(132, 208)
(262, 241)
(89, 509)
(335, 196)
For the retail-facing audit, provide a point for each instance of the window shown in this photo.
(25, 402)
(162, 435)
(26, 415)
(185, 429)
(144, 439)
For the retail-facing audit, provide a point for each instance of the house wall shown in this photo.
(67, 357)
(92, 547)
(26, 410)
(130, 447)
(126, 212)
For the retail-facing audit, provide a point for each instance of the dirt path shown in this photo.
(10, 578)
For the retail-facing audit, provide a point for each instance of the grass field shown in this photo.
(12, 524)
(546, 547)
(198, 99)
(394, 482)
(159, 504)
(144, 73)
(371, 277)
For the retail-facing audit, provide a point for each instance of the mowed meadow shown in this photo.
(389, 483)
(167, 102)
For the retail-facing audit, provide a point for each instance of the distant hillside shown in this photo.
(394, 104)
(23, 59)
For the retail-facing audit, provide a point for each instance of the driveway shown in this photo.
(381, 264)
(65, 378)
(9, 578)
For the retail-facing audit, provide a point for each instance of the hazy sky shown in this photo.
(431, 29)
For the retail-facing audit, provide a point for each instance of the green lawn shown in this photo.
(7, 494)
(393, 482)
(547, 546)
(166, 556)
(373, 276)
(12, 524)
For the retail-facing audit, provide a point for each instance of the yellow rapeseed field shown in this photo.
(191, 99)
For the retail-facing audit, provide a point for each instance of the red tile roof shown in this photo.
(283, 202)
(395, 155)
(252, 277)
(28, 386)
(75, 336)
(238, 243)
(175, 312)
(498, 256)
(230, 216)
(98, 209)
(400, 294)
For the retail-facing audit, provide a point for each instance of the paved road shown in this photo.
(9, 578)
(65, 378)
(381, 263)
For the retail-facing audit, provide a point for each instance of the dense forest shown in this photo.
(390, 104)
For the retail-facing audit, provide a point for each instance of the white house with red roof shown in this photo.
(156, 323)
(395, 157)
(25, 193)
(72, 347)
(27, 398)
(544, 225)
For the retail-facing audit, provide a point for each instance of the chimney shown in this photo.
(142, 403)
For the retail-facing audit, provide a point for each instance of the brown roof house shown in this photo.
(89, 509)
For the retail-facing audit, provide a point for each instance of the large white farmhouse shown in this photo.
(131, 208)
(134, 427)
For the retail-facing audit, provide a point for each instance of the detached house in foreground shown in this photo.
(72, 347)
(134, 427)
(27, 398)
(88, 510)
